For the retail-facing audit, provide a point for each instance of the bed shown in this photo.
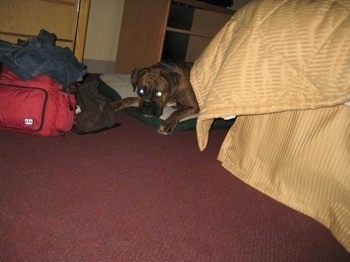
(282, 68)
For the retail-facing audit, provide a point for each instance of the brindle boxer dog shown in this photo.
(167, 82)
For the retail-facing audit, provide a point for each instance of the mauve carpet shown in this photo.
(130, 194)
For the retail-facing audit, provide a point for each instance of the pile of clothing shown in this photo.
(38, 64)
(40, 56)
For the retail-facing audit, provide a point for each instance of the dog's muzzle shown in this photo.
(147, 108)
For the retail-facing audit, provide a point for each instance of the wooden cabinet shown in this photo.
(21, 19)
(158, 29)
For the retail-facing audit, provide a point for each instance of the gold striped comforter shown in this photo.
(283, 68)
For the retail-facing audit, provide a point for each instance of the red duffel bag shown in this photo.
(38, 106)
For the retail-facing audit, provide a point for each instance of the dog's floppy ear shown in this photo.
(135, 76)
(173, 79)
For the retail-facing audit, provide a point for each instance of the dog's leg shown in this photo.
(170, 123)
(124, 103)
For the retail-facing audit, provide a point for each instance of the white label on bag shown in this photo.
(28, 121)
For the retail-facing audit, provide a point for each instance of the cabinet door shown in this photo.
(22, 19)
(141, 34)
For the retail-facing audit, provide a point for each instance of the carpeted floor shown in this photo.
(130, 194)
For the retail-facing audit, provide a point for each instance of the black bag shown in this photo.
(94, 113)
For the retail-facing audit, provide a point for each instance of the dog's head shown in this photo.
(155, 87)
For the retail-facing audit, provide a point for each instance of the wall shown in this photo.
(102, 35)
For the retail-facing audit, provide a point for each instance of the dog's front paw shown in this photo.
(166, 129)
(124, 103)
(116, 105)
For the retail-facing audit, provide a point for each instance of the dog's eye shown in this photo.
(141, 91)
(158, 94)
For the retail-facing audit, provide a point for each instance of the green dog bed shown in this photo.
(118, 86)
